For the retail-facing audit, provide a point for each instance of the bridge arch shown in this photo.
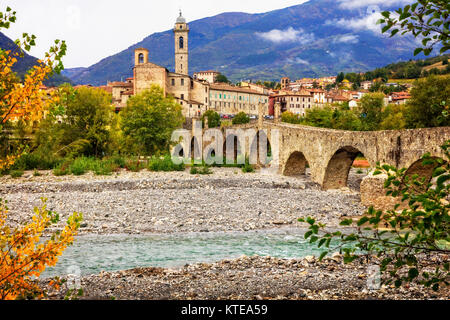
(296, 164)
(423, 171)
(196, 151)
(233, 141)
(338, 167)
(261, 153)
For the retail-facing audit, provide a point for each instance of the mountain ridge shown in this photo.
(316, 42)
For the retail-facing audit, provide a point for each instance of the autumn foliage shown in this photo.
(23, 253)
(25, 100)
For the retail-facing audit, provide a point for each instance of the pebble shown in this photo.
(152, 202)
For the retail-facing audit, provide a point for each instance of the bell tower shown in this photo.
(181, 32)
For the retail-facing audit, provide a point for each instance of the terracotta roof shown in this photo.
(340, 98)
(209, 71)
(120, 84)
(106, 88)
(227, 87)
(293, 94)
(400, 95)
(128, 93)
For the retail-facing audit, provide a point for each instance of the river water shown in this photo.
(93, 254)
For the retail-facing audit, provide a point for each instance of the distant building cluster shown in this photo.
(307, 93)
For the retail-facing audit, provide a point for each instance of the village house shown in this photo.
(209, 76)
(228, 100)
(399, 97)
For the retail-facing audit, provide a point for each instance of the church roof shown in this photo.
(181, 19)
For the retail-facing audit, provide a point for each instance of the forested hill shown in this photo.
(26, 62)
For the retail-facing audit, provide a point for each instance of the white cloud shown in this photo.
(287, 35)
(346, 38)
(356, 4)
(368, 22)
(297, 61)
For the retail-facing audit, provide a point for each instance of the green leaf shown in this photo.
(346, 222)
(413, 273)
(417, 51)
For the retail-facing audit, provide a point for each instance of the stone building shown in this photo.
(209, 76)
(194, 94)
(227, 99)
(295, 102)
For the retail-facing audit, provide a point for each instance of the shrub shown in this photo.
(241, 118)
(118, 160)
(194, 170)
(213, 119)
(16, 173)
(248, 168)
(205, 170)
(289, 117)
(164, 164)
(62, 169)
(80, 166)
(134, 165)
(36, 160)
(105, 167)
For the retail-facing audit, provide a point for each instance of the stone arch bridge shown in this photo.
(331, 153)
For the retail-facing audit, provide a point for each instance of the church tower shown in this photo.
(181, 32)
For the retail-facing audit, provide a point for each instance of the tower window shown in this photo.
(141, 58)
(181, 42)
(173, 82)
(182, 82)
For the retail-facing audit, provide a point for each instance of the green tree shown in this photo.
(79, 124)
(371, 109)
(346, 119)
(426, 19)
(429, 103)
(340, 77)
(319, 117)
(222, 79)
(241, 118)
(213, 119)
(149, 120)
(289, 117)
(393, 117)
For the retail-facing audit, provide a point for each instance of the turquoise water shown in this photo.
(93, 254)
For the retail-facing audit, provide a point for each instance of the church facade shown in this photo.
(194, 94)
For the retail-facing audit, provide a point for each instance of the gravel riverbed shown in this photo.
(227, 200)
(249, 278)
(149, 202)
